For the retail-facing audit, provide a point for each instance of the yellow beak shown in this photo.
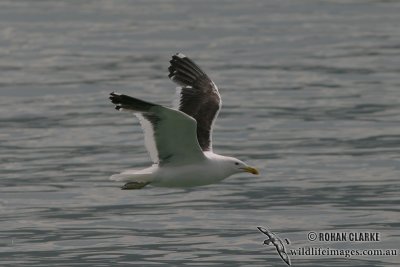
(251, 170)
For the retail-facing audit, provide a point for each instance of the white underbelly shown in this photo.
(187, 176)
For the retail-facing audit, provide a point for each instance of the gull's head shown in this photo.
(238, 166)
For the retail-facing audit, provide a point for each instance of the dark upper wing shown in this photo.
(199, 96)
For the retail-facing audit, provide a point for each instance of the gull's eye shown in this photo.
(236, 163)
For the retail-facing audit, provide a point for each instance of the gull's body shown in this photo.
(179, 140)
(181, 175)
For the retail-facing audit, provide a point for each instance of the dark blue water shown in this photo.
(310, 96)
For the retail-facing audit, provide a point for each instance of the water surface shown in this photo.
(310, 96)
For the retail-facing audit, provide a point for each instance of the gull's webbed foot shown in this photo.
(134, 185)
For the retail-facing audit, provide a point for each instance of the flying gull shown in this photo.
(179, 139)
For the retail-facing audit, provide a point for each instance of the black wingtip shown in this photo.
(130, 103)
(113, 96)
(114, 99)
(184, 71)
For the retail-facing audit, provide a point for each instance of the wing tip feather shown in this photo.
(122, 101)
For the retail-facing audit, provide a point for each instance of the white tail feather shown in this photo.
(145, 175)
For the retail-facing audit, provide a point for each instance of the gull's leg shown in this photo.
(134, 185)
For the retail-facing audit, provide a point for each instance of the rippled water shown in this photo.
(310, 96)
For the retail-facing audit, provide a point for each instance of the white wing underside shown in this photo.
(172, 138)
(149, 141)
